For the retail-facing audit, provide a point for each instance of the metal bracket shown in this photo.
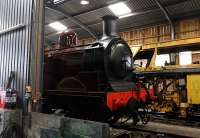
(164, 10)
(12, 28)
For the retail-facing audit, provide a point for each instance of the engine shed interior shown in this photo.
(99, 68)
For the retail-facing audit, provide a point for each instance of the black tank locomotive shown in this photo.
(92, 81)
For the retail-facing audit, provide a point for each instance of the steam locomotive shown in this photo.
(93, 81)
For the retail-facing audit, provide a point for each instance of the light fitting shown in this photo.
(119, 9)
(84, 2)
(58, 26)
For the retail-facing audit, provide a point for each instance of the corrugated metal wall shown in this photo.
(15, 45)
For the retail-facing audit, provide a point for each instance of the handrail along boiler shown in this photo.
(93, 81)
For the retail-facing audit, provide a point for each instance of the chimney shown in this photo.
(109, 26)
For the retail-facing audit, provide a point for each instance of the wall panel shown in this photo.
(15, 45)
(145, 36)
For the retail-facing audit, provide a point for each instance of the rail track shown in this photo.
(194, 122)
(141, 133)
(159, 127)
(153, 131)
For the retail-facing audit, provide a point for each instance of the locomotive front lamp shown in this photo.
(119, 9)
(58, 26)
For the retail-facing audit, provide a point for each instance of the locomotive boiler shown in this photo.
(93, 81)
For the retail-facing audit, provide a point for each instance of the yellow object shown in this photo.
(135, 49)
(153, 59)
(193, 89)
(175, 43)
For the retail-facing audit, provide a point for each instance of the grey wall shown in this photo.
(15, 45)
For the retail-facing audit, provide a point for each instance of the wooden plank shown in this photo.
(164, 32)
(176, 43)
(159, 35)
(153, 59)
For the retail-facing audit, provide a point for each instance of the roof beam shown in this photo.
(85, 11)
(138, 12)
(167, 15)
(73, 19)
(115, 1)
(97, 22)
(166, 4)
(52, 3)
(99, 7)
